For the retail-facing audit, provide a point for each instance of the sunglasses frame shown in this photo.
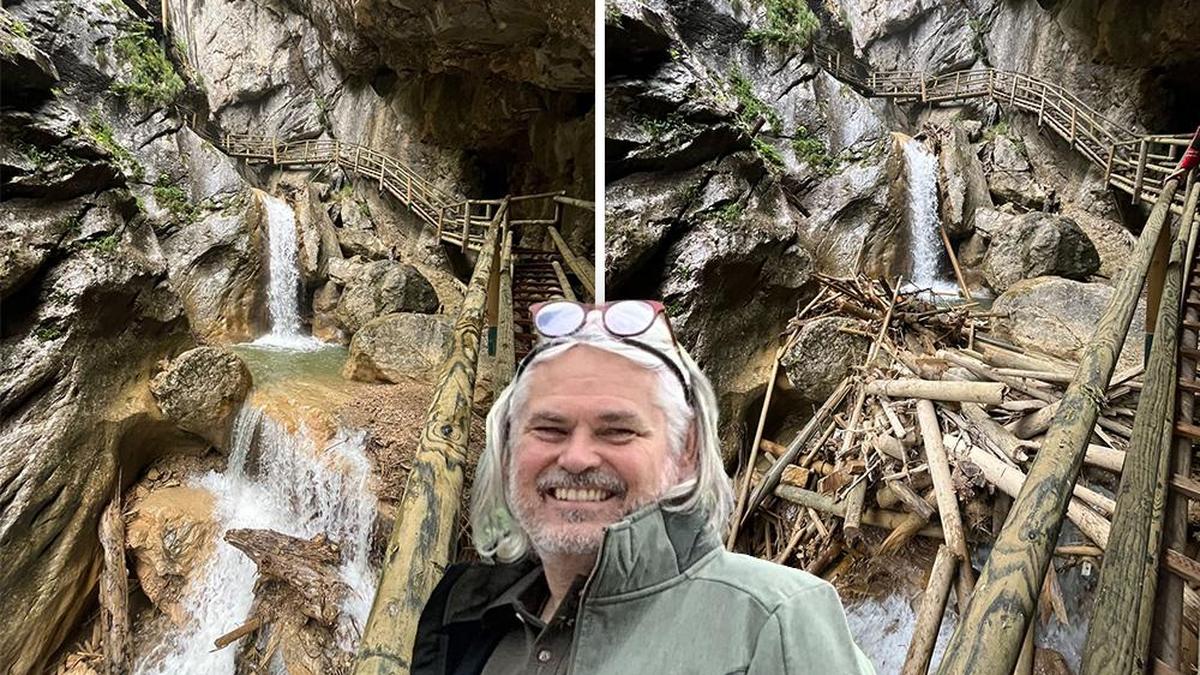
(658, 308)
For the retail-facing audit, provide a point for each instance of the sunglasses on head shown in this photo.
(622, 319)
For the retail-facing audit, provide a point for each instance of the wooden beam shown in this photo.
(427, 520)
(1007, 593)
(506, 360)
(1182, 566)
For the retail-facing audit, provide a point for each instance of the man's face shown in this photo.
(590, 446)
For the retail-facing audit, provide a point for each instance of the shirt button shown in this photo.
(544, 655)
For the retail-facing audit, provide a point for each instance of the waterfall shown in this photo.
(280, 481)
(283, 291)
(925, 241)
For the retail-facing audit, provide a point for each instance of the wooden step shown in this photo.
(1190, 385)
(1186, 486)
(1187, 430)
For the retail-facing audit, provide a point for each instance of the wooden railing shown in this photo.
(1133, 164)
(457, 220)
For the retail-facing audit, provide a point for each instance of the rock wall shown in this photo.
(722, 135)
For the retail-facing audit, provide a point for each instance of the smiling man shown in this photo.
(598, 506)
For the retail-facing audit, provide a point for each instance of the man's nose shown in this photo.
(579, 454)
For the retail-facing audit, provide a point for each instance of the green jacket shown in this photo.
(665, 597)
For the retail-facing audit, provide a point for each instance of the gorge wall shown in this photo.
(736, 168)
(126, 240)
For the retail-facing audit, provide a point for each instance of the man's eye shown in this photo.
(549, 432)
(618, 434)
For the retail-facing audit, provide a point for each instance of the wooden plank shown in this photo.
(1186, 486)
(1182, 566)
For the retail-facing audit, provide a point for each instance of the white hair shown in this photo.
(495, 532)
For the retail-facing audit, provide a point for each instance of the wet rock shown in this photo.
(218, 267)
(362, 243)
(1033, 245)
(822, 356)
(201, 390)
(383, 287)
(172, 533)
(325, 325)
(29, 232)
(640, 211)
(318, 241)
(961, 183)
(1058, 316)
(399, 347)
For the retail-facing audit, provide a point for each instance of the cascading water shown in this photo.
(283, 291)
(294, 488)
(925, 243)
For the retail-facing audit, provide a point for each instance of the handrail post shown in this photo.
(274, 149)
(1005, 599)
(1143, 148)
(466, 233)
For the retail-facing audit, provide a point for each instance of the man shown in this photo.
(599, 503)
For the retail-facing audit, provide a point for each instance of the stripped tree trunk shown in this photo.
(114, 590)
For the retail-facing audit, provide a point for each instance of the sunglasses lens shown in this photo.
(629, 317)
(559, 318)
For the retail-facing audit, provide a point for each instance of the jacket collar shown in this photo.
(649, 547)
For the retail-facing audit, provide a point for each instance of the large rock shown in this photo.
(172, 532)
(325, 325)
(1010, 177)
(399, 347)
(823, 355)
(961, 183)
(219, 267)
(1058, 316)
(383, 287)
(201, 390)
(1033, 245)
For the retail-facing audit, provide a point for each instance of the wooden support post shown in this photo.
(1012, 95)
(1119, 634)
(564, 283)
(1042, 105)
(1008, 588)
(1108, 167)
(440, 222)
(991, 91)
(427, 520)
(1141, 171)
(583, 269)
(357, 152)
(383, 171)
(410, 197)
(1074, 114)
(929, 614)
(506, 360)
(962, 282)
(466, 231)
(1169, 617)
(274, 150)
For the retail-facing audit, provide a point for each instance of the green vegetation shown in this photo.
(612, 13)
(768, 153)
(151, 78)
(810, 150)
(99, 132)
(789, 23)
(751, 107)
(1002, 129)
(48, 332)
(730, 213)
(661, 127)
(174, 199)
(106, 244)
(979, 32)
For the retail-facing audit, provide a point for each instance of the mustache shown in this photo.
(557, 477)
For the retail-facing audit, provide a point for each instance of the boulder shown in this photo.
(172, 533)
(201, 390)
(1010, 177)
(822, 356)
(399, 347)
(1057, 316)
(325, 325)
(961, 183)
(362, 243)
(383, 287)
(1032, 245)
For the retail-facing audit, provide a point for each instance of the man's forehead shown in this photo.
(548, 412)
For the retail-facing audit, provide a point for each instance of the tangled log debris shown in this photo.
(929, 437)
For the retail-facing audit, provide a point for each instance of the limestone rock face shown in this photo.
(399, 347)
(1058, 316)
(1010, 176)
(961, 183)
(324, 324)
(1033, 245)
(172, 534)
(26, 68)
(201, 390)
(218, 265)
(383, 287)
(822, 356)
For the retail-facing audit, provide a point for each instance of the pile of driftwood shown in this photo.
(929, 437)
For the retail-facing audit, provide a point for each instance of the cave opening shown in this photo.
(1173, 95)
(490, 172)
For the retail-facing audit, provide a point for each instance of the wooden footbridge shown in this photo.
(1136, 625)
(506, 279)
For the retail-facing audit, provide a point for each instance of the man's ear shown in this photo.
(690, 459)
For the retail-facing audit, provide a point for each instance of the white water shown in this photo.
(883, 628)
(293, 488)
(283, 291)
(925, 241)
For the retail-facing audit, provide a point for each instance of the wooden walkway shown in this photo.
(1134, 164)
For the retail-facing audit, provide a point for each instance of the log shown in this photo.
(1007, 592)
(991, 393)
(1119, 634)
(238, 633)
(1001, 438)
(114, 590)
(929, 614)
(418, 549)
(308, 566)
(911, 499)
(506, 359)
(1035, 423)
(854, 510)
(887, 520)
(943, 485)
(907, 529)
(1010, 480)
